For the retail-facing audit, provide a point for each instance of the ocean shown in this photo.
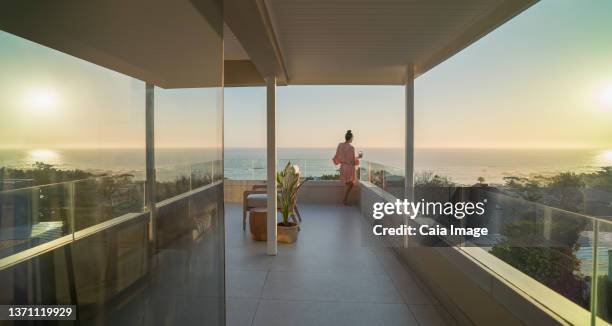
(463, 166)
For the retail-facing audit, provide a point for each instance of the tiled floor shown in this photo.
(326, 278)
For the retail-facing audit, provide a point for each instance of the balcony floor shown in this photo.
(326, 278)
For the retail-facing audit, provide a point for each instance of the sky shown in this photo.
(50, 100)
(542, 80)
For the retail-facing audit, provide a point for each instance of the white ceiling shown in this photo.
(372, 41)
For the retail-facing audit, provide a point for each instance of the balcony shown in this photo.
(140, 222)
(328, 278)
(444, 270)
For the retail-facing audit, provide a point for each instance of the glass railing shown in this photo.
(563, 249)
(175, 179)
(255, 169)
(34, 215)
(386, 177)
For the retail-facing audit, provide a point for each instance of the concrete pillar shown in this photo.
(409, 132)
(271, 248)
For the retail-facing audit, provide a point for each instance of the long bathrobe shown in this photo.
(345, 156)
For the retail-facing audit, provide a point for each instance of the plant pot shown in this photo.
(287, 234)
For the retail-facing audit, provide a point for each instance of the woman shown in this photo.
(345, 156)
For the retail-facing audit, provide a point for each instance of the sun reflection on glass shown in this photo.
(605, 157)
(43, 155)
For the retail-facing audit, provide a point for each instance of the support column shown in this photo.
(409, 142)
(271, 248)
(150, 160)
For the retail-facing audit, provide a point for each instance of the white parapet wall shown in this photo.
(314, 191)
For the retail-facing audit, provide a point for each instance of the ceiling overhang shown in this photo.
(172, 44)
(334, 42)
(251, 25)
(241, 73)
(369, 42)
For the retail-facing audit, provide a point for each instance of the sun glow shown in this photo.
(606, 158)
(605, 97)
(41, 99)
(43, 155)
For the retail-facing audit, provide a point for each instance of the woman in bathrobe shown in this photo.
(345, 157)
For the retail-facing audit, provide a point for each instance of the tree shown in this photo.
(551, 261)
(565, 191)
(429, 179)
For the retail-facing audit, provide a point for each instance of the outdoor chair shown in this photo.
(258, 197)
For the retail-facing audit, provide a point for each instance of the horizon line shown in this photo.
(600, 147)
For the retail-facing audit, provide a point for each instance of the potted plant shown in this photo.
(288, 185)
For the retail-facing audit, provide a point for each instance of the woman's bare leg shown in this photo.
(349, 186)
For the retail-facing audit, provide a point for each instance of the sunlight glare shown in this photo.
(605, 158)
(41, 99)
(605, 97)
(43, 155)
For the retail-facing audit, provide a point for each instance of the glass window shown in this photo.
(187, 139)
(71, 144)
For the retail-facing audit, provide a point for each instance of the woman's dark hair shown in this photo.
(348, 136)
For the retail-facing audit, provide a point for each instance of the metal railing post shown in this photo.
(190, 177)
(594, 274)
(547, 219)
(71, 207)
(384, 179)
(212, 171)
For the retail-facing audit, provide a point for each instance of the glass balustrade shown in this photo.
(255, 169)
(38, 214)
(542, 232)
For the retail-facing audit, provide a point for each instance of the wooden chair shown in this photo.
(258, 197)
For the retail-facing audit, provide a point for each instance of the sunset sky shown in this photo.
(544, 79)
